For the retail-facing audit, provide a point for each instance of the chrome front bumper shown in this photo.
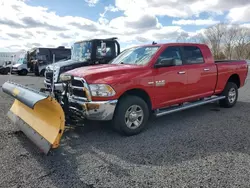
(94, 110)
(14, 70)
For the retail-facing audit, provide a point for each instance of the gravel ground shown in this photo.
(207, 147)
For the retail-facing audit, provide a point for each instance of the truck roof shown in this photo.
(42, 48)
(172, 44)
(104, 39)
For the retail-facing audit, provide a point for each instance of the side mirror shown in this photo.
(168, 63)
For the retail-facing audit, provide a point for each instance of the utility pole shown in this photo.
(11, 64)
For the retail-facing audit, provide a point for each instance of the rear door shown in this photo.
(202, 74)
(170, 82)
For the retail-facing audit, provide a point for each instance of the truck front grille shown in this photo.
(78, 88)
(49, 76)
(77, 83)
(79, 92)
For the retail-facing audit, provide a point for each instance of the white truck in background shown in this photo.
(7, 59)
(21, 66)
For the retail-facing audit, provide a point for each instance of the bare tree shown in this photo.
(247, 51)
(183, 37)
(198, 38)
(230, 40)
(224, 40)
(214, 37)
(242, 43)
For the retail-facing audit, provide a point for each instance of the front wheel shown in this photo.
(231, 94)
(23, 72)
(42, 73)
(131, 115)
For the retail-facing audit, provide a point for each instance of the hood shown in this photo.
(65, 63)
(104, 73)
(17, 65)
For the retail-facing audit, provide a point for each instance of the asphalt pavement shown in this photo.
(207, 146)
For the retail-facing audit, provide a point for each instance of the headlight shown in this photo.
(65, 77)
(101, 90)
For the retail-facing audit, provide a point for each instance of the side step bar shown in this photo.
(169, 110)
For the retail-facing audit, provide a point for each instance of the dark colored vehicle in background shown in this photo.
(84, 53)
(37, 59)
(5, 67)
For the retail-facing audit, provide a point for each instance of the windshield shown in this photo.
(22, 60)
(136, 55)
(81, 51)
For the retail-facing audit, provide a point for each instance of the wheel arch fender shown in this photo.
(235, 78)
(139, 92)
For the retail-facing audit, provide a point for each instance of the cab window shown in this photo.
(192, 55)
(171, 53)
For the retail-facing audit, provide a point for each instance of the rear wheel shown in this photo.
(131, 115)
(231, 94)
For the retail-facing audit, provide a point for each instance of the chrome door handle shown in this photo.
(206, 69)
(181, 72)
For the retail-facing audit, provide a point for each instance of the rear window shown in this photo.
(192, 55)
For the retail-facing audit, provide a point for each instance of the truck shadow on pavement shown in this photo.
(183, 136)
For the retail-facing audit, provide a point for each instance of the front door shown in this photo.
(171, 81)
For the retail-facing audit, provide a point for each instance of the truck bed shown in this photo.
(228, 61)
(227, 68)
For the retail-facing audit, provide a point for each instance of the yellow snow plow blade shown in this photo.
(39, 116)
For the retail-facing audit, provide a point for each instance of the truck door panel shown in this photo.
(170, 82)
(201, 75)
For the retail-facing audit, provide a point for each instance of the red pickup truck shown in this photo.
(158, 79)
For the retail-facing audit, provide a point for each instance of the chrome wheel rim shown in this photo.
(232, 95)
(134, 117)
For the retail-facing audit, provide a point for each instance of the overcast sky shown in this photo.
(50, 23)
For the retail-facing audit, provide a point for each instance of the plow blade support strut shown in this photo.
(39, 116)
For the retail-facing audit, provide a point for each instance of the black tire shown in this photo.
(229, 101)
(125, 104)
(23, 72)
(6, 71)
(42, 73)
